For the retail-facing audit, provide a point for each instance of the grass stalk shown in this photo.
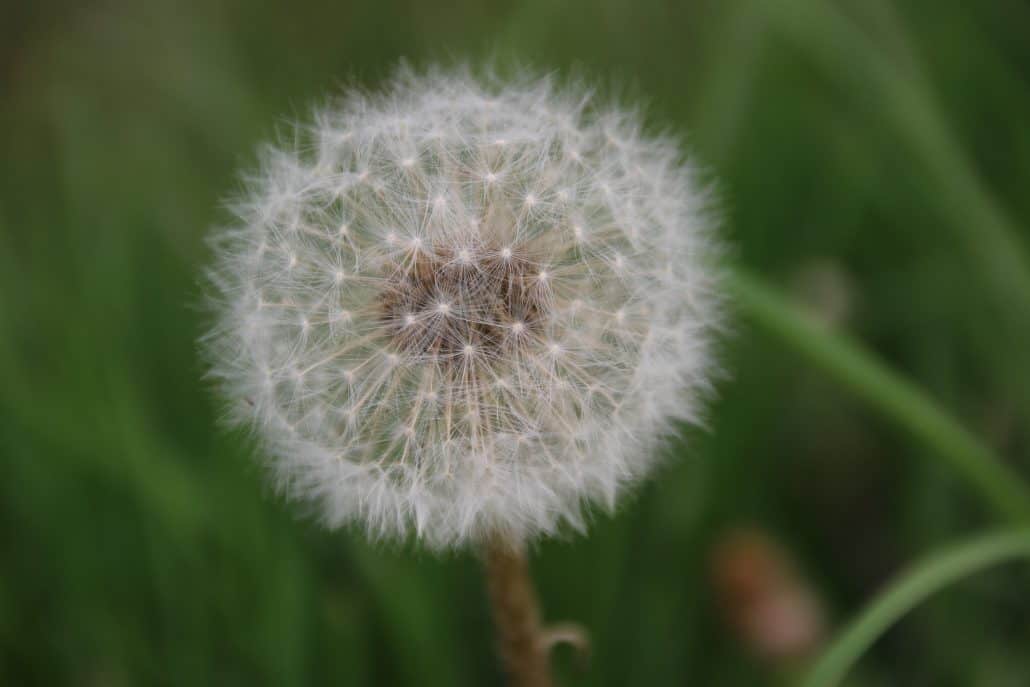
(897, 399)
(907, 591)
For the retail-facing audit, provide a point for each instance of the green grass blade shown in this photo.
(984, 230)
(908, 591)
(894, 397)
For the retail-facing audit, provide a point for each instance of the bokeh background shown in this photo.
(874, 158)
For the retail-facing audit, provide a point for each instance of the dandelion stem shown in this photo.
(516, 614)
(896, 398)
(907, 591)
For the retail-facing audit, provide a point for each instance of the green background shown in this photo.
(874, 161)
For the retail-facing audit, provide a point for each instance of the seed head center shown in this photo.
(449, 305)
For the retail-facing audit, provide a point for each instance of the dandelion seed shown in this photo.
(478, 387)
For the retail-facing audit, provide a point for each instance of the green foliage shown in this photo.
(874, 158)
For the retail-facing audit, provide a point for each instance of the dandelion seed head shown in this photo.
(425, 347)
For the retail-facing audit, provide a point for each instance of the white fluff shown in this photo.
(465, 308)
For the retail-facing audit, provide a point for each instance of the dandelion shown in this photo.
(465, 309)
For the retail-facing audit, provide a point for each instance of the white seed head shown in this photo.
(466, 308)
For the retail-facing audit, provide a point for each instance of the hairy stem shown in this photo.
(907, 591)
(897, 399)
(516, 613)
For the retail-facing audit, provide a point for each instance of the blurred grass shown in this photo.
(932, 574)
(892, 396)
(874, 158)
